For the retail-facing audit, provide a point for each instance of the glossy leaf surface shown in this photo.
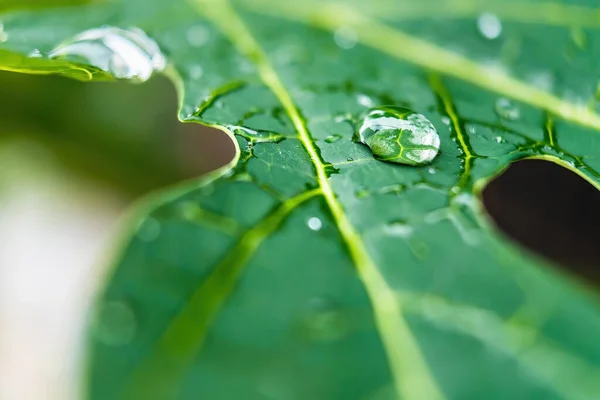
(307, 269)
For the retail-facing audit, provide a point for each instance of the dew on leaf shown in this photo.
(365, 100)
(115, 324)
(35, 53)
(315, 224)
(432, 171)
(499, 139)
(255, 136)
(3, 34)
(126, 54)
(398, 228)
(345, 37)
(349, 159)
(333, 138)
(197, 35)
(445, 120)
(399, 135)
(507, 109)
(489, 26)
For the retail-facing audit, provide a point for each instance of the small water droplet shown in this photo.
(398, 228)
(345, 37)
(499, 139)
(197, 35)
(333, 138)
(148, 230)
(115, 324)
(471, 129)
(489, 26)
(315, 224)
(349, 159)
(432, 171)
(3, 34)
(455, 189)
(365, 100)
(196, 72)
(324, 321)
(35, 53)
(399, 135)
(507, 109)
(445, 120)
(126, 54)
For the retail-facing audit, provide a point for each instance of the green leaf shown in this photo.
(307, 268)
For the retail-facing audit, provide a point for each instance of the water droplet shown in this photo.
(3, 35)
(471, 129)
(197, 35)
(499, 139)
(35, 53)
(432, 171)
(148, 230)
(399, 135)
(333, 138)
(507, 109)
(455, 189)
(324, 321)
(445, 120)
(196, 72)
(315, 224)
(255, 136)
(489, 26)
(115, 324)
(398, 228)
(349, 159)
(126, 54)
(365, 100)
(345, 37)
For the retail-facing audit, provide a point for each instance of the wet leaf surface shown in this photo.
(307, 268)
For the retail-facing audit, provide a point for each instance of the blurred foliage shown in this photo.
(123, 135)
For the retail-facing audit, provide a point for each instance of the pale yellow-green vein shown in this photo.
(179, 345)
(412, 378)
(430, 56)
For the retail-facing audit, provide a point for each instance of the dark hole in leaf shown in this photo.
(551, 211)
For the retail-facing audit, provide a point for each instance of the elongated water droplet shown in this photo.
(365, 100)
(255, 136)
(3, 35)
(126, 54)
(398, 228)
(507, 109)
(116, 324)
(489, 26)
(399, 135)
(333, 138)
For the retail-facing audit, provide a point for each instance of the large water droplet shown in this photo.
(399, 135)
(489, 25)
(115, 324)
(126, 54)
(507, 109)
